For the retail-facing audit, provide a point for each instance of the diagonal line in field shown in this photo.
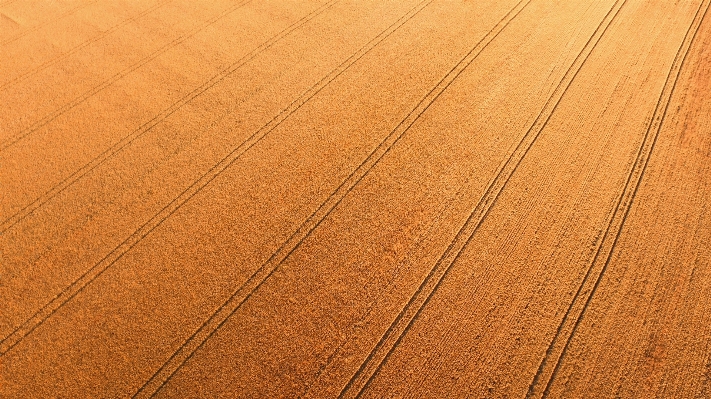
(14, 337)
(116, 77)
(43, 23)
(550, 364)
(156, 120)
(411, 311)
(218, 318)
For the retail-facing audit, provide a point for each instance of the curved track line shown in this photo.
(117, 76)
(558, 347)
(243, 293)
(43, 23)
(147, 126)
(374, 362)
(196, 186)
(80, 46)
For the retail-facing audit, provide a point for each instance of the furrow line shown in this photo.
(114, 78)
(411, 311)
(560, 343)
(196, 186)
(48, 63)
(218, 318)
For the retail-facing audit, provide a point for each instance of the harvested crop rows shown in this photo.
(340, 198)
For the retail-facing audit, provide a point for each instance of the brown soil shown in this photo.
(340, 198)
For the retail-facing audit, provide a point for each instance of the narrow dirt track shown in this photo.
(340, 198)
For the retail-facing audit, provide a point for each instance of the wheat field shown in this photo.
(355, 198)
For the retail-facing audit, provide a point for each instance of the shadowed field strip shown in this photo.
(53, 256)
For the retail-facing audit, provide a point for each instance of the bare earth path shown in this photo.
(341, 198)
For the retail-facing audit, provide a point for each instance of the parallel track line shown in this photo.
(7, 343)
(116, 77)
(382, 351)
(90, 275)
(560, 343)
(141, 130)
(218, 318)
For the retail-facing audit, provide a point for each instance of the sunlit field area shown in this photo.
(355, 199)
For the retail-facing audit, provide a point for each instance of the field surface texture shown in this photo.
(355, 199)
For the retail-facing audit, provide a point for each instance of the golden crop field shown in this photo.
(355, 198)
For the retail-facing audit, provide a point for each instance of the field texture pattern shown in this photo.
(355, 199)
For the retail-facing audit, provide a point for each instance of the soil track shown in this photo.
(406, 198)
